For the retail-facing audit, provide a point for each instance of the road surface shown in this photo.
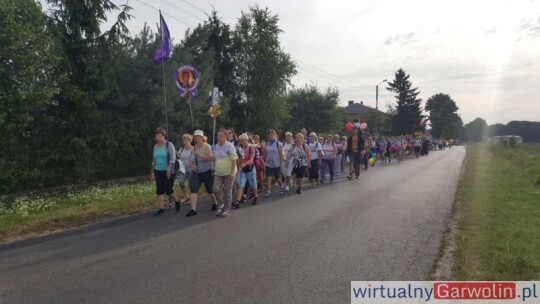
(292, 249)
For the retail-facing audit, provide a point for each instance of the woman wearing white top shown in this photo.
(184, 154)
(329, 149)
(287, 146)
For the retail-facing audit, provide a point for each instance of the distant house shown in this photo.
(368, 115)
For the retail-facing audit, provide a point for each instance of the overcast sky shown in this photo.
(485, 54)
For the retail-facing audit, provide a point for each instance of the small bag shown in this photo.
(248, 169)
(181, 167)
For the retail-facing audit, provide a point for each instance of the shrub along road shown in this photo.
(298, 248)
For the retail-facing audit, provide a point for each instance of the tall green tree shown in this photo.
(91, 70)
(262, 70)
(408, 110)
(476, 130)
(315, 110)
(29, 79)
(445, 121)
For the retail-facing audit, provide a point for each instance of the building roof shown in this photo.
(357, 108)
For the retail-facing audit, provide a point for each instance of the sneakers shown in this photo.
(225, 213)
(254, 202)
(287, 188)
(177, 205)
(214, 207)
(349, 176)
(281, 190)
(357, 175)
(244, 199)
(220, 210)
(235, 204)
(191, 213)
(159, 212)
(267, 194)
(299, 190)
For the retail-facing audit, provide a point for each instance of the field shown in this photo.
(498, 214)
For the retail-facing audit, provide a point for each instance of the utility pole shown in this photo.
(377, 107)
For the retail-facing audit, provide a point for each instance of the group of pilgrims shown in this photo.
(247, 165)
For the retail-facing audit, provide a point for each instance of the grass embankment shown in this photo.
(27, 215)
(498, 202)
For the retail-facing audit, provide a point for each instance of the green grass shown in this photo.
(23, 216)
(498, 201)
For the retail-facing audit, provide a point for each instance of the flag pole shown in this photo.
(190, 112)
(164, 89)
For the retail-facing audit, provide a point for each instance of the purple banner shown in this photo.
(187, 80)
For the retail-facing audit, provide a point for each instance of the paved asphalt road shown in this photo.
(296, 249)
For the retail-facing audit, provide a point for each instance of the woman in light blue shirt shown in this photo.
(163, 159)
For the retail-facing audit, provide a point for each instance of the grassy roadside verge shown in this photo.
(497, 215)
(25, 216)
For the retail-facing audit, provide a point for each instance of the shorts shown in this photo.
(197, 179)
(356, 157)
(250, 177)
(164, 185)
(273, 172)
(299, 172)
(183, 179)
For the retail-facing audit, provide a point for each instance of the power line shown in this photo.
(195, 7)
(182, 10)
(171, 16)
(338, 82)
(333, 75)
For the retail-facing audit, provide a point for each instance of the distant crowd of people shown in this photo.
(247, 165)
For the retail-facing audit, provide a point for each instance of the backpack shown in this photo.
(177, 165)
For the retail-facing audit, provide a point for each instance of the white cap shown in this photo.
(198, 133)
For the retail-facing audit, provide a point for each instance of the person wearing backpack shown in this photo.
(247, 172)
(315, 159)
(201, 166)
(273, 158)
(225, 171)
(329, 149)
(163, 163)
(300, 158)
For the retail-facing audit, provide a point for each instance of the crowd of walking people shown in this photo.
(248, 165)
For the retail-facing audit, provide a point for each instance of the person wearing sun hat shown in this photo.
(201, 165)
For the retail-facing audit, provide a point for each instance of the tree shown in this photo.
(29, 79)
(315, 110)
(445, 121)
(476, 130)
(91, 71)
(409, 112)
(263, 71)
